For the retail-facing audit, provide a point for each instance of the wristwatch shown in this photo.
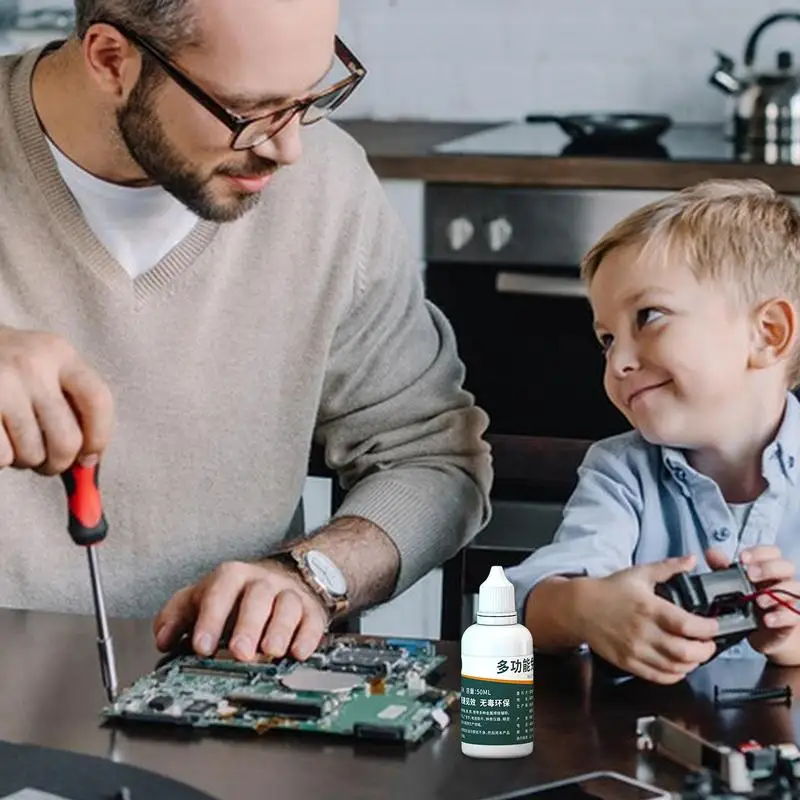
(321, 575)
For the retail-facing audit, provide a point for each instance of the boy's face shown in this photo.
(677, 349)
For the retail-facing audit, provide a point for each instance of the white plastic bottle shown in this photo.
(496, 676)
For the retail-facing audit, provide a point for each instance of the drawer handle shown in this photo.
(543, 285)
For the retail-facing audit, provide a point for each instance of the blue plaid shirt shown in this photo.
(636, 503)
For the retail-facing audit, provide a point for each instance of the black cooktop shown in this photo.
(698, 143)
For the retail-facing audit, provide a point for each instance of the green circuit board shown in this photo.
(365, 687)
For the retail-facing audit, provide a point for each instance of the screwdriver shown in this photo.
(88, 526)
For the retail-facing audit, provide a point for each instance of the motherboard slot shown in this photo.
(281, 705)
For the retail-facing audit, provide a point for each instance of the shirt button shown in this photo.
(791, 461)
(680, 474)
(721, 534)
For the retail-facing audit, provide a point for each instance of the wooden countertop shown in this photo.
(404, 150)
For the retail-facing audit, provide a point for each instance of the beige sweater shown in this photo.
(303, 320)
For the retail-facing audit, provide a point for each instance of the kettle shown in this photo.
(766, 105)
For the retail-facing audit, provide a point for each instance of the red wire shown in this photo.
(773, 594)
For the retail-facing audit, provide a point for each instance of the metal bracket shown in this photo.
(669, 739)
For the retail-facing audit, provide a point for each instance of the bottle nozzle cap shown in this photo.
(496, 595)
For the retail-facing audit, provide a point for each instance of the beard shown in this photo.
(150, 147)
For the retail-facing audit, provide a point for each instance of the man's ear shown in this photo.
(774, 333)
(111, 60)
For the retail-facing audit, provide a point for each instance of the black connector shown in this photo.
(730, 698)
(726, 594)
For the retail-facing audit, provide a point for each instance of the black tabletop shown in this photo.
(51, 696)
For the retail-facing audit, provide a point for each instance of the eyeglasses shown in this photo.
(249, 132)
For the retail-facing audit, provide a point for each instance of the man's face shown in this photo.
(253, 58)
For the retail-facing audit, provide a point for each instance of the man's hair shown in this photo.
(169, 24)
(741, 233)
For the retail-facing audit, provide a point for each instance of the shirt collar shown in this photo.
(784, 449)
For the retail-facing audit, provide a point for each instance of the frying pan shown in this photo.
(608, 127)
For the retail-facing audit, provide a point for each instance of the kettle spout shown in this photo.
(723, 78)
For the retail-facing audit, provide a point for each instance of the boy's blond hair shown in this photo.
(742, 233)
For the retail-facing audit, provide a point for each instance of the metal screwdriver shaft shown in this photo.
(105, 644)
(87, 526)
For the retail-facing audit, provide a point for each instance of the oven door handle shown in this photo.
(543, 285)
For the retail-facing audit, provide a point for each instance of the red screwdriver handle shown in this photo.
(87, 522)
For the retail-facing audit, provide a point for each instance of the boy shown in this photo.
(695, 300)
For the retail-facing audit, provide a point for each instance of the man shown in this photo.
(172, 269)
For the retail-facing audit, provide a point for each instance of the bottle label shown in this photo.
(496, 700)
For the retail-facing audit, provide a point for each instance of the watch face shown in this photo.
(326, 572)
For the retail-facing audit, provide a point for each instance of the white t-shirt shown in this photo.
(741, 511)
(137, 225)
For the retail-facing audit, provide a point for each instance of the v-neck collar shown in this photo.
(67, 214)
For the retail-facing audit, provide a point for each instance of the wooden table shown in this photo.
(51, 695)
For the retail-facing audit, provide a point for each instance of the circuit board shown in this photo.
(368, 688)
(749, 771)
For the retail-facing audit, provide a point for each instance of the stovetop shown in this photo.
(699, 143)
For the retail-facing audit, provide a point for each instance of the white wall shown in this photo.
(415, 613)
(500, 59)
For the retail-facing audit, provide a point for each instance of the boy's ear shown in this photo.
(775, 333)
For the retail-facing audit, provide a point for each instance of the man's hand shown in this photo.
(269, 606)
(627, 624)
(55, 409)
(275, 612)
(778, 636)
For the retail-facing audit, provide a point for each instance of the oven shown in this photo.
(502, 263)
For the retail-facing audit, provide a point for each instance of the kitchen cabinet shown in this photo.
(415, 613)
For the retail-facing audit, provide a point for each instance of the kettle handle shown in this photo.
(750, 47)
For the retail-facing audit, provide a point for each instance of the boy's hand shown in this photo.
(778, 638)
(629, 625)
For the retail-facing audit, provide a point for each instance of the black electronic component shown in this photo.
(183, 721)
(431, 696)
(293, 707)
(366, 730)
(726, 594)
(199, 707)
(160, 702)
(224, 661)
(365, 660)
(238, 674)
